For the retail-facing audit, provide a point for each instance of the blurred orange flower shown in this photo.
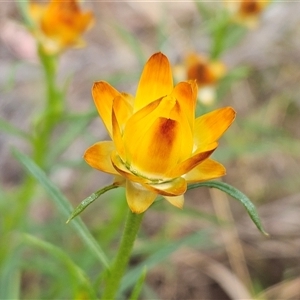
(246, 12)
(207, 74)
(60, 24)
(157, 146)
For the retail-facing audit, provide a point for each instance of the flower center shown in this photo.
(139, 174)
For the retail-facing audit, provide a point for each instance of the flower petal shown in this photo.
(187, 165)
(122, 110)
(123, 171)
(210, 127)
(157, 151)
(64, 22)
(138, 198)
(122, 106)
(141, 122)
(156, 81)
(98, 157)
(103, 95)
(208, 169)
(186, 94)
(120, 181)
(174, 187)
(185, 133)
(117, 137)
(177, 201)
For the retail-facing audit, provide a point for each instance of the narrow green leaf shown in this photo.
(10, 274)
(9, 128)
(236, 194)
(63, 205)
(23, 7)
(206, 12)
(138, 286)
(229, 79)
(130, 40)
(235, 33)
(90, 199)
(76, 125)
(79, 275)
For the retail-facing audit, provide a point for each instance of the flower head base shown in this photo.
(246, 12)
(157, 146)
(59, 24)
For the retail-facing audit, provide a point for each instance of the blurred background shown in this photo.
(210, 249)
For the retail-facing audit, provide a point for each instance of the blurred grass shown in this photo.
(42, 258)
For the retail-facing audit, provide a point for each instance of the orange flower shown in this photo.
(207, 73)
(246, 12)
(157, 146)
(59, 24)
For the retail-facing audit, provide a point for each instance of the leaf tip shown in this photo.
(265, 234)
(68, 221)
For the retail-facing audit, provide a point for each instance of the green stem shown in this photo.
(41, 142)
(219, 36)
(53, 109)
(117, 270)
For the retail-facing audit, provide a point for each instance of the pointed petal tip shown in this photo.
(156, 81)
(177, 201)
(137, 210)
(211, 126)
(231, 112)
(158, 58)
(100, 85)
(138, 198)
(98, 157)
(207, 170)
(157, 54)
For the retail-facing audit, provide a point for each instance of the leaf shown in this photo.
(10, 274)
(90, 199)
(236, 194)
(63, 205)
(23, 7)
(138, 286)
(9, 128)
(129, 39)
(76, 124)
(206, 12)
(75, 271)
(162, 254)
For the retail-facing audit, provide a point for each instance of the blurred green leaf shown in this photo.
(235, 33)
(10, 129)
(138, 286)
(236, 194)
(162, 254)
(218, 28)
(89, 200)
(130, 40)
(205, 11)
(63, 205)
(23, 7)
(223, 32)
(10, 279)
(229, 79)
(80, 278)
(77, 124)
